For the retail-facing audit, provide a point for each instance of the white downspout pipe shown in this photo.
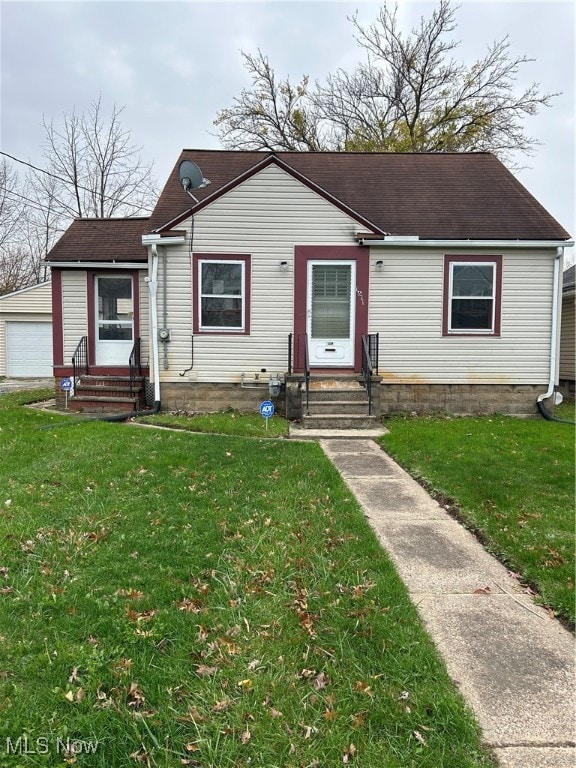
(153, 288)
(555, 326)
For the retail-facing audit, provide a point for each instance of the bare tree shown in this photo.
(11, 205)
(410, 94)
(93, 170)
(101, 172)
(273, 115)
(16, 269)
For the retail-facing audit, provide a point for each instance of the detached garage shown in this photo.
(26, 332)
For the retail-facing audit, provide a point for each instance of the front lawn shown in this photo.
(511, 481)
(226, 422)
(171, 599)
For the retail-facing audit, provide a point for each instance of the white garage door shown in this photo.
(28, 349)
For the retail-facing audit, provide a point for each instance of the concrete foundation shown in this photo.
(206, 397)
(461, 399)
(457, 399)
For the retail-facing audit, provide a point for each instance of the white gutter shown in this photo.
(98, 264)
(413, 242)
(554, 336)
(151, 239)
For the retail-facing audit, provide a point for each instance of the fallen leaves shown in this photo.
(130, 594)
(204, 670)
(363, 687)
(190, 605)
(349, 754)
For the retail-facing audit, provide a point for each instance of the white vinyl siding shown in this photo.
(74, 310)
(29, 305)
(568, 339)
(406, 309)
(265, 217)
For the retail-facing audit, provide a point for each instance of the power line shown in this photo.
(32, 203)
(66, 181)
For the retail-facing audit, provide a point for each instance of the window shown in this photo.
(115, 308)
(472, 290)
(222, 293)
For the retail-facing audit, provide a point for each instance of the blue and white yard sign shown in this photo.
(66, 386)
(267, 410)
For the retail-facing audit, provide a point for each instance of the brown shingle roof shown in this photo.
(432, 195)
(102, 240)
(569, 278)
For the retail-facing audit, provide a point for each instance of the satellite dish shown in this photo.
(191, 177)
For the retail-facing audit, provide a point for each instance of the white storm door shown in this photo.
(330, 313)
(114, 319)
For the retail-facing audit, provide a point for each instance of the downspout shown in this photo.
(553, 339)
(165, 304)
(153, 288)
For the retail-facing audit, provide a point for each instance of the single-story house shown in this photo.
(568, 333)
(26, 332)
(429, 281)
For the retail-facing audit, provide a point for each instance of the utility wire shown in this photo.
(36, 204)
(62, 179)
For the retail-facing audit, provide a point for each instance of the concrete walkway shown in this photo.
(513, 664)
(17, 385)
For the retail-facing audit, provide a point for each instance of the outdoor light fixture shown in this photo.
(379, 265)
(284, 266)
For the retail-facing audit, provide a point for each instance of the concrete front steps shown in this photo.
(337, 403)
(107, 394)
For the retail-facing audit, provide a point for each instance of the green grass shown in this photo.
(203, 600)
(223, 423)
(511, 480)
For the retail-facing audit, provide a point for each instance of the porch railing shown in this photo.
(369, 363)
(290, 352)
(80, 360)
(135, 365)
(307, 373)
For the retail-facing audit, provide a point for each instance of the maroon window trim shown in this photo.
(448, 261)
(90, 303)
(196, 287)
(57, 320)
(305, 253)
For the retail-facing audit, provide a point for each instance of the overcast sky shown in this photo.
(175, 64)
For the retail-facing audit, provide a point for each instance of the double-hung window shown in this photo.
(472, 290)
(222, 293)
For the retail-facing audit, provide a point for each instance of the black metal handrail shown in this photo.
(369, 363)
(135, 365)
(290, 337)
(307, 373)
(80, 360)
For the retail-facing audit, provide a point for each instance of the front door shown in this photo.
(114, 322)
(330, 314)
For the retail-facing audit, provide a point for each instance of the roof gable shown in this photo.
(430, 195)
(258, 168)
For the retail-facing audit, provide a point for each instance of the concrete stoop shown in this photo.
(338, 403)
(512, 662)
